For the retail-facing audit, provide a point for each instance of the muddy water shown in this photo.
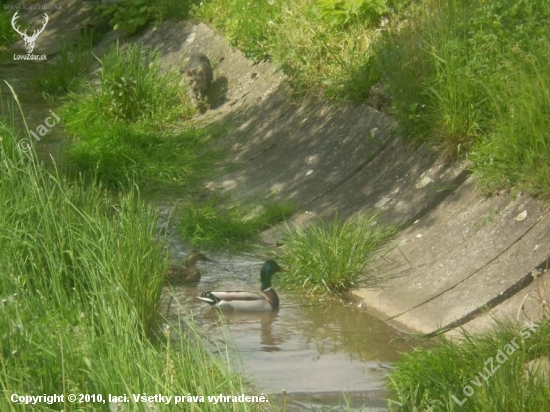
(313, 352)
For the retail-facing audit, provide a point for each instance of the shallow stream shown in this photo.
(308, 354)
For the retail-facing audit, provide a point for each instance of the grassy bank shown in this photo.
(471, 78)
(320, 45)
(489, 372)
(468, 77)
(80, 282)
(128, 130)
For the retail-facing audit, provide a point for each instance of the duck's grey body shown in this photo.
(263, 301)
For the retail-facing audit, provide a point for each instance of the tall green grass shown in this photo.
(436, 74)
(65, 73)
(7, 34)
(471, 76)
(320, 56)
(329, 258)
(128, 130)
(80, 282)
(427, 379)
(516, 153)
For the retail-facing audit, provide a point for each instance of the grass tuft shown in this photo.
(125, 129)
(65, 73)
(329, 258)
(427, 379)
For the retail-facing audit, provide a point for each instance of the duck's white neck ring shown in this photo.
(269, 288)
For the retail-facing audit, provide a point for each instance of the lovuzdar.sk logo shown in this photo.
(29, 40)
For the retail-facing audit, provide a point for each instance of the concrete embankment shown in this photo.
(464, 257)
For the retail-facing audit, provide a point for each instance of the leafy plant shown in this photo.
(175, 9)
(130, 15)
(343, 12)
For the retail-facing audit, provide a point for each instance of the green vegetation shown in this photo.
(321, 45)
(472, 76)
(469, 77)
(214, 225)
(128, 131)
(133, 89)
(125, 129)
(133, 15)
(65, 73)
(454, 70)
(7, 34)
(247, 25)
(80, 282)
(331, 258)
(427, 379)
(516, 153)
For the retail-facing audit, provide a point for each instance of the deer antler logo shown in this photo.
(29, 40)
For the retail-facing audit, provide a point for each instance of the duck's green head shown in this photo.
(268, 270)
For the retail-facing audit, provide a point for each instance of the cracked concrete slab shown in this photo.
(462, 258)
(464, 264)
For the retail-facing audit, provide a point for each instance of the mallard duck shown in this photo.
(178, 274)
(265, 300)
